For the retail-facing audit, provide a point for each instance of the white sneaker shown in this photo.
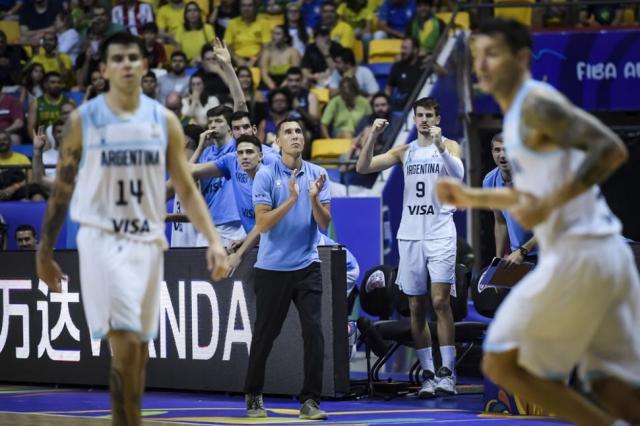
(428, 388)
(446, 382)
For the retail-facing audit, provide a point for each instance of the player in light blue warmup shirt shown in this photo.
(522, 242)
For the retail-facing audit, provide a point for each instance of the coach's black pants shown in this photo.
(274, 291)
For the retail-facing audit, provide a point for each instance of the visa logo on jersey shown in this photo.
(421, 210)
(131, 226)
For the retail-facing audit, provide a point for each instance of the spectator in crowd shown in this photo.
(32, 86)
(37, 17)
(132, 15)
(153, 50)
(13, 182)
(45, 110)
(26, 237)
(175, 80)
(381, 106)
(247, 34)
(89, 60)
(65, 111)
(170, 18)
(312, 9)
(317, 63)
(304, 101)
(81, 14)
(197, 103)
(194, 33)
(256, 103)
(97, 87)
(394, 17)
(280, 105)
(150, 85)
(52, 60)
(173, 102)
(68, 37)
(404, 74)
(345, 66)
(277, 57)
(425, 26)
(297, 27)
(360, 16)
(223, 14)
(100, 25)
(272, 14)
(344, 111)
(556, 14)
(11, 116)
(210, 70)
(605, 15)
(45, 156)
(10, 58)
(339, 31)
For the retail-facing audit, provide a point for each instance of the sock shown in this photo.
(448, 354)
(426, 358)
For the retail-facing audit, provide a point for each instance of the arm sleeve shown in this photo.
(223, 164)
(452, 165)
(261, 192)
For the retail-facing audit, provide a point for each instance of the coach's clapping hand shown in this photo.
(294, 188)
(217, 262)
(316, 186)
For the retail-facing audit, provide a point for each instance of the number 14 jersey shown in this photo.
(423, 216)
(121, 180)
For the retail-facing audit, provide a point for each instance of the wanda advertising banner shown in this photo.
(204, 336)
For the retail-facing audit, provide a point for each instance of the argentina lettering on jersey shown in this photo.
(423, 216)
(540, 173)
(120, 186)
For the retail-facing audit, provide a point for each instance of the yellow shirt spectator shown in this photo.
(15, 159)
(53, 64)
(520, 14)
(170, 19)
(343, 33)
(247, 40)
(192, 41)
(356, 19)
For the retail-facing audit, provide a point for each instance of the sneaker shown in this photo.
(446, 382)
(428, 388)
(255, 405)
(310, 410)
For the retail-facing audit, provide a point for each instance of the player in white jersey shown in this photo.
(581, 306)
(426, 237)
(117, 145)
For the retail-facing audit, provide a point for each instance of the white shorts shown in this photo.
(437, 258)
(120, 283)
(580, 306)
(232, 231)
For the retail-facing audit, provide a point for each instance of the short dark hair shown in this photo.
(57, 123)
(223, 110)
(414, 41)
(289, 120)
(347, 56)
(239, 115)
(498, 137)
(205, 48)
(282, 91)
(193, 131)
(379, 95)
(26, 227)
(515, 34)
(150, 74)
(179, 53)
(150, 27)
(427, 102)
(50, 74)
(321, 30)
(122, 38)
(294, 70)
(252, 139)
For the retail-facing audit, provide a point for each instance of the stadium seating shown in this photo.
(358, 51)
(330, 149)
(384, 50)
(12, 30)
(462, 20)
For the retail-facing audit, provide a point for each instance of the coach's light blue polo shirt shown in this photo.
(518, 236)
(242, 185)
(291, 244)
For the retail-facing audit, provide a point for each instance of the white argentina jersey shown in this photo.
(121, 181)
(540, 173)
(423, 216)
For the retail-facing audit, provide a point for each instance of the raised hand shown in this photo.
(316, 186)
(436, 136)
(39, 139)
(221, 51)
(379, 125)
(294, 188)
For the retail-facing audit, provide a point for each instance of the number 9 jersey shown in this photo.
(121, 179)
(423, 216)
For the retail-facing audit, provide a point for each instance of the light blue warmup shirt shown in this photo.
(518, 236)
(291, 244)
(242, 184)
(216, 191)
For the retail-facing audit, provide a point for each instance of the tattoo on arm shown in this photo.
(63, 187)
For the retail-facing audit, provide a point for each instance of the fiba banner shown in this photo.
(204, 336)
(597, 70)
